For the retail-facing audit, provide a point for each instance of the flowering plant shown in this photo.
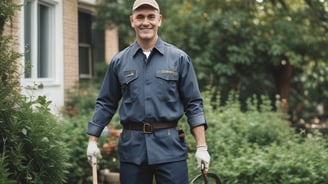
(109, 148)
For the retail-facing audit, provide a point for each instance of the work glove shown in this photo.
(202, 156)
(93, 152)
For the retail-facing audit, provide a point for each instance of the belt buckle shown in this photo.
(147, 128)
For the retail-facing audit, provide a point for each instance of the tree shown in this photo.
(250, 46)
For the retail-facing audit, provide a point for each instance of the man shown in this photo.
(155, 84)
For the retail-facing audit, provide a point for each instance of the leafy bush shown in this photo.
(258, 146)
(31, 146)
(4, 172)
(76, 138)
(32, 150)
(82, 100)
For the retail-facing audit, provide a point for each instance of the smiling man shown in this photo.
(153, 84)
(146, 24)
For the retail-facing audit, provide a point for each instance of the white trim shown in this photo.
(53, 87)
(91, 2)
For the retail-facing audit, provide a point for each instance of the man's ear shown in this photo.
(131, 21)
(160, 20)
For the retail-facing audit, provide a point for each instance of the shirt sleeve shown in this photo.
(190, 94)
(106, 103)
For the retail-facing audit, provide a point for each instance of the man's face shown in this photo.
(145, 21)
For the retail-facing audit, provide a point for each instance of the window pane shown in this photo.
(27, 39)
(44, 41)
(84, 23)
(85, 45)
(84, 62)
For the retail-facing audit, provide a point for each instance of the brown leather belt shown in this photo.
(149, 128)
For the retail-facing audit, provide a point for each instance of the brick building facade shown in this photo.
(60, 46)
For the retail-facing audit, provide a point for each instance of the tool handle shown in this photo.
(94, 171)
(202, 167)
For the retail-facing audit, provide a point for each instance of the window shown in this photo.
(91, 45)
(39, 40)
(85, 46)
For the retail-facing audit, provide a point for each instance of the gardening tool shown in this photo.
(94, 170)
(207, 178)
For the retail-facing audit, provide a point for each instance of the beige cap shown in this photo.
(138, 3)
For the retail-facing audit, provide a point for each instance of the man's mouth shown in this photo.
(146, 29)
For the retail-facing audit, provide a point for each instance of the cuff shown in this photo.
(94, 129)
(197, 120)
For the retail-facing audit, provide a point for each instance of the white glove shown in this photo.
(202, 156)
(93, 152)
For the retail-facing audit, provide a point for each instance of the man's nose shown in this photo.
(146, 21)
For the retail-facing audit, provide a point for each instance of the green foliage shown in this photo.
(33, 149)
(238, 45)
(9, 77)
(4, 173)
(76, 138)
(7, 11)
(80, 171)
(82, 100)
(258, 146)
(119, 11)
(31, 146)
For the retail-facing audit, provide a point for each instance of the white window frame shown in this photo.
(55, 53)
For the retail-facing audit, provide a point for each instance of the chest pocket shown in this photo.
(128, 86)
(167, 85)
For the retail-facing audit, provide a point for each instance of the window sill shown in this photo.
(39, 83)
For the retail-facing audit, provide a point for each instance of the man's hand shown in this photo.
(202, 156)
(93, 151)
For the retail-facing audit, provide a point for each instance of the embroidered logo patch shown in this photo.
(169, 72)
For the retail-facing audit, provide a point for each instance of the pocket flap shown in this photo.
(167, 74)
(129, 76)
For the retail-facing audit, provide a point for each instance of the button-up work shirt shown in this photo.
(159, 88)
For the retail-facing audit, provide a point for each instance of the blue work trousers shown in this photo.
(166, 173)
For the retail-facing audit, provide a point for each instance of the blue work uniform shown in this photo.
(160, 88)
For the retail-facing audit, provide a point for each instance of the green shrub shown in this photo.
(31, 138)
(31, 146)
(258, 146)
(81, 99)
(4, 172)
(76, 138)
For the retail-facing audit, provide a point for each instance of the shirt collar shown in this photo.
(159, 46)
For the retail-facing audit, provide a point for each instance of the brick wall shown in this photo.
(12, 28)
(111, 43)
(70, 41)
